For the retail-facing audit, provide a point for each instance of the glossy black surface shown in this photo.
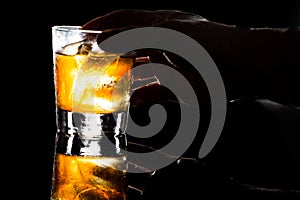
(257, 156)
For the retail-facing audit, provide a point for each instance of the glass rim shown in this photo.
(74, 28)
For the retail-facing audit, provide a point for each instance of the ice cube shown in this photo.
(80, 47)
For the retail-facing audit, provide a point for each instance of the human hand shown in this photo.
(252, 61)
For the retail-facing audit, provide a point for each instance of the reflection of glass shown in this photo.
(92, 97)
(79, 177)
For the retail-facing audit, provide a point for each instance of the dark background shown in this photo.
(38, 124)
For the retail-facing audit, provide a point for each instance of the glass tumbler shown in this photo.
(92, 92)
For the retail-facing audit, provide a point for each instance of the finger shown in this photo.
(136, 18)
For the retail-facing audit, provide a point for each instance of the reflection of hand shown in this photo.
(253, 62)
